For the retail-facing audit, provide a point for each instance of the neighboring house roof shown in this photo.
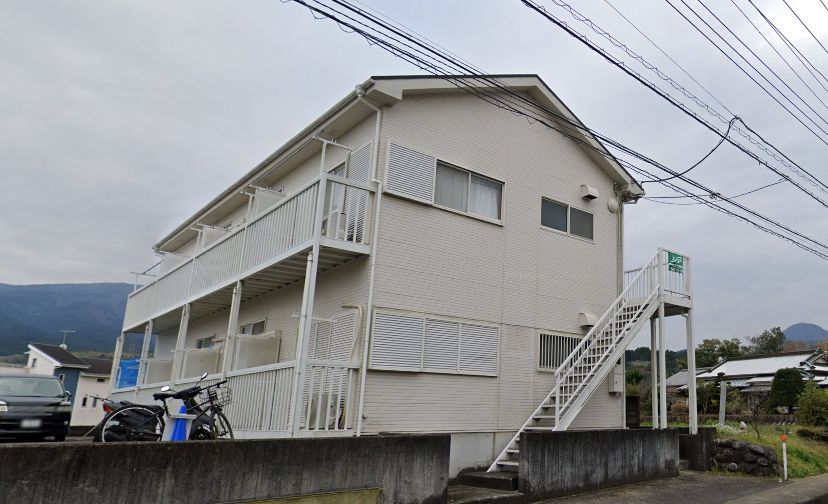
(681, 377)
(99, 367)
(387, 90)
(60, 355)
(759, 365)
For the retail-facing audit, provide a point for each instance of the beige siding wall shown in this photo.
(517, 274)
(344, 285)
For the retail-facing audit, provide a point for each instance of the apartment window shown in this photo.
(467, 192)
(566, 219)
(253, 328)
(204, 342)
(553, 349)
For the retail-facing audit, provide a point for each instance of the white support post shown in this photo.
(306, 313)
(232, 329)
(691, 372)
(114, 374)
(142, 362)
(662, 343)
(181, 339)
(654, 372)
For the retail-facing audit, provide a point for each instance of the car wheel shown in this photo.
(60, 438)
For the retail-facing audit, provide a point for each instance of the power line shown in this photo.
(619, 64)
(785, 60)
(763, 61)
(804, 25)
(788, 43)
(662, 51)
(700, 161)
(775, 153)
(655, 199)
(748, 74)
(457, 81)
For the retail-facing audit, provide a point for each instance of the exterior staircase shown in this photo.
(580, 374)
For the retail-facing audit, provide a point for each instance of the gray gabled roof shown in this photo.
(680, 378)
(60, 355)
(101, 367)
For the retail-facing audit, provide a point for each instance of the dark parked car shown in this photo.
(33, 406)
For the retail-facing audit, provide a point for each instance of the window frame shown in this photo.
(251, 324)
(469, 175)
(568, 231)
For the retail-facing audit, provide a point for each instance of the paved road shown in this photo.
(689, 488)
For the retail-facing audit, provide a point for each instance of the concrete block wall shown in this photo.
(408, 469)
(554, 464)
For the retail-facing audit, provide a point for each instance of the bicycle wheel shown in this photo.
(133, 423)
(221, 427)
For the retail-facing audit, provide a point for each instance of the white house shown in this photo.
(755, 373)
(82, 377)
(415, 260)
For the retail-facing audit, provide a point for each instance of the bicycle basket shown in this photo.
(219, 396)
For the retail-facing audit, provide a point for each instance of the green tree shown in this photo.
(769, 342)
(634, 376)
(707, 396)
(710, 351)
(813, 406)
(785, 389)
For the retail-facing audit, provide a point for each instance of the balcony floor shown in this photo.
(286, 272)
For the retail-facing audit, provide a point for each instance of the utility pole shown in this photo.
(65, 332)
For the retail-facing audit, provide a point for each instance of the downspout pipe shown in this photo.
(370, 305)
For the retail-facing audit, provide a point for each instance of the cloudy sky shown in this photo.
(119, 119)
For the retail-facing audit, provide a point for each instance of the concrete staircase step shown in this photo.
(499, 480)
(462, 494)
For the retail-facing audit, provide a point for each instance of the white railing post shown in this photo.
(309, 293)
(662, 341)
(232, 329)
(142, 362)
(114, 374)
(178, 353)
(654, 372)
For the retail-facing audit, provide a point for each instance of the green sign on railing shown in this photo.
(675, 262)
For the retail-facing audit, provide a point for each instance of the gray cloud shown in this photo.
(120, 119)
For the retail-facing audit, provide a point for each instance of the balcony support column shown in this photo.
(654, 371)
(232, 329)
(662, 341)
(142, 363)
(306, 313)
(181, 339)
(114, 374)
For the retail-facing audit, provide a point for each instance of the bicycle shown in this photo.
(141, 422)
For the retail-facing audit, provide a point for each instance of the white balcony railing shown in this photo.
(272, 236)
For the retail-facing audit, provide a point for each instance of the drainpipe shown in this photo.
(370, 305)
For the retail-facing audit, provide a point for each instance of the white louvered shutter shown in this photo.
(356, 200)
(342, 337)
(478, 349)
(397, 342)
(442, 339)
(411, 173)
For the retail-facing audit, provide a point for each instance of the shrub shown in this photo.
(736, 403)
(679, 408)
(813, 406)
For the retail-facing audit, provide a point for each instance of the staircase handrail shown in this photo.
(601, 321)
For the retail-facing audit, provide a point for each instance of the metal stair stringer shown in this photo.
(584, 369)
(603, 370)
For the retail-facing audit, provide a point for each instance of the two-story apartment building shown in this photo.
(415, 260)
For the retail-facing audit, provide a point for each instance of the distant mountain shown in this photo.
(806, 332)
(36, 312)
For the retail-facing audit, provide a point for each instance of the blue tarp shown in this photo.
(128, 376)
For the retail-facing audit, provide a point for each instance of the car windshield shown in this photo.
(30, 387)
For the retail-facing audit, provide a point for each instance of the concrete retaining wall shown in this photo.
(697, 449)
(554, 464)
(408, 469)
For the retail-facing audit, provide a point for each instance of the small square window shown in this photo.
(580, 223)
(553, 215)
